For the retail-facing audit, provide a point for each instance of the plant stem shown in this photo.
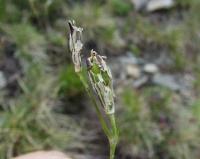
(111, 135)
(100, 116)
(114, 137)
(112, 150)
(113, 124)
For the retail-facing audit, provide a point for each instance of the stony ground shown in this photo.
(153, 51)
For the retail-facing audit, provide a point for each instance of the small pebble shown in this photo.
(133, 71)
(44, 155)
(154, 5)
(150, 68)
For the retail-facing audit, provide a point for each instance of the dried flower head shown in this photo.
(75, 45)
(101, 80)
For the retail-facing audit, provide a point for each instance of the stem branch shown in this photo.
(114, 137)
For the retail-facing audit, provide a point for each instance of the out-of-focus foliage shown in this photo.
(2, 8)
(157, 127)
(28, 122)
(155, 123)
(121, 7)
(69, 82)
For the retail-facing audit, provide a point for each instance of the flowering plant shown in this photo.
(100, 78)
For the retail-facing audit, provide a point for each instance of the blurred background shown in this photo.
(153, 50)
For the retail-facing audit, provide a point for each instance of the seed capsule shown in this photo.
(101, 81)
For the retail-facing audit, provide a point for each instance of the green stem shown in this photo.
(112, 150)
(113, 140)
(100, 116)
(112, 135)
(113, 124)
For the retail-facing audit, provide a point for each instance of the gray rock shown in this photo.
(129, 58)
(133, 71)
(163, 60)
(126, 66)
(167, 81)
(139, 4)
(140, 82)
(2, 80)
(150, 68)
(154, 5)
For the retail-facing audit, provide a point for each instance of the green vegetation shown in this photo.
(24, 34)
(69, 82)
(2, 8)
(120, 7)
(28, 122)
(172, 38)
(154, 122)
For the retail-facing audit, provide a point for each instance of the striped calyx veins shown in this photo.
(101, 80)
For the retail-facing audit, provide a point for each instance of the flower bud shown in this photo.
(75, 45)
(101, 81)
